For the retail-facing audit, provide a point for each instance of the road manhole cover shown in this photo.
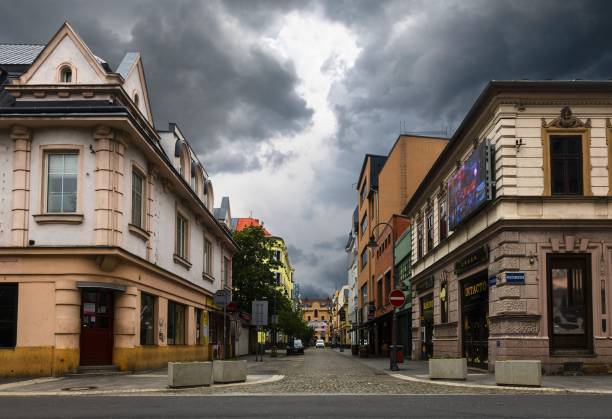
(81, 388)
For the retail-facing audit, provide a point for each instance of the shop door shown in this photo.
(569, 303)
(96, 327)
(475, 323)
(427, 322)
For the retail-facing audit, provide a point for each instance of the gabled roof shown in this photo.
(19, 53)
(223, 211)
(127, 63)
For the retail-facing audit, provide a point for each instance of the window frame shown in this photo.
(429, 224)
(44, 216)
(363, 225)
(60, 72)
(207, 258)
(183, 258)
(419, 238)
(442, 218)
(362, 261)
(138, 171)
(585, 134)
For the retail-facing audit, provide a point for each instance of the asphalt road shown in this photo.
(315, 406)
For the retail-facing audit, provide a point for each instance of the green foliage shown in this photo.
(253, 279)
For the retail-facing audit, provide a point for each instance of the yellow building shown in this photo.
(284, 272)
(317, 313)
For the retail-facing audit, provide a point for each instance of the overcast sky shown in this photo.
(281, 100)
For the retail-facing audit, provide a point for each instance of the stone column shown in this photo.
(108, 212)
(124, 326)
(22, 143)
(190, 326)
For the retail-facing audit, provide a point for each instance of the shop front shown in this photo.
(427, 323)
(475, 321)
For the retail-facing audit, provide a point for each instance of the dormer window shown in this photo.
(66, 74)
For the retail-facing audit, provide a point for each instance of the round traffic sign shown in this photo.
(397, 298)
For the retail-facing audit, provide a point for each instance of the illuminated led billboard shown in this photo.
(468, 188)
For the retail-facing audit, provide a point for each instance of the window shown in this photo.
(444, 302)
(277, 276)
(316, 313)
(198, 329)
(194, 183)
(364, 294)
(147, 319)
(226, 272)
(308, 318)
(277, 255)
(419, 237)
(207, 257)
(181, 236)
(62, 182)
(566, 165)
(364, 258)
(136, 99)
(364, 224)
(443, 218)
(430, 232)
(323, 318)
(363, 192)
(8, 315)
(137, 199)
(387, 286)
(379, 294)
(176, 323)
(66, 74)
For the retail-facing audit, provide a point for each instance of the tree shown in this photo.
(252, 276)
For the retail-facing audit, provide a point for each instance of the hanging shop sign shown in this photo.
(425, 284)
(515, 277)
(477, 257)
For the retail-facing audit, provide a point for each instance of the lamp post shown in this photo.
(372, 245)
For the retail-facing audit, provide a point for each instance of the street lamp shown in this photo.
(372, 245)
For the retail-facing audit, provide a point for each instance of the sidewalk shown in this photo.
(418, 371)
(141, 382)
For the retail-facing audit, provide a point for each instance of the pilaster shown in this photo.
(22, 145)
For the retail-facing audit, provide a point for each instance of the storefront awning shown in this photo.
(103, 285)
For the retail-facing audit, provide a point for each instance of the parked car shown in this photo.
(320, 343)
(295, 346)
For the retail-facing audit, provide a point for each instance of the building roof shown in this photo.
(19, 53)
(242, 223)
(127, 63)
(376, 164)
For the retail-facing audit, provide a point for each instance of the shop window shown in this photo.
(207, 259)
(198, 329)
(62, 174)
(443, 218)
(147, 319)
(8, 315)
(444, 302)
(176, 323)
(430, 231)
(566, 165)
(137, 199)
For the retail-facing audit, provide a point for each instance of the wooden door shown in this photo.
(97, 327)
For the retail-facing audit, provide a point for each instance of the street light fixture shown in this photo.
(372, 245)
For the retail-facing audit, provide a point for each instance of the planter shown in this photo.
(229, 371)
(189, 374)
(448, 368)
(518, 373)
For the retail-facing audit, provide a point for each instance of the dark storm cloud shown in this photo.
(224, 91)
(299, 256)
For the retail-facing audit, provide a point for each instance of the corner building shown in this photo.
(109, 251)
(511, 231)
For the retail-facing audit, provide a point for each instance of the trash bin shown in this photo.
(399, 353)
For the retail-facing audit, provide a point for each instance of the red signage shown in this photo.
(232, 307)
(397, 298)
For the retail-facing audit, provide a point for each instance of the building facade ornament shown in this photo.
(566, 119)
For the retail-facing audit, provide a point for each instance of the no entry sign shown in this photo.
(397, 298)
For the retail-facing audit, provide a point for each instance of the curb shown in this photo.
(489, 387)
(125, 392)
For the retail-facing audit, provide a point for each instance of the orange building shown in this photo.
(385, 184)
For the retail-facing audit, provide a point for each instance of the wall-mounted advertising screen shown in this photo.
(468, 188)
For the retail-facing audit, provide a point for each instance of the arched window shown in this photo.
(66, 74)
(136, 99)
(316, 313)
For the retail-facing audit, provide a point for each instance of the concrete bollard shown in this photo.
(518, 373)
(229, 371)
(448, 369)
(189, 374)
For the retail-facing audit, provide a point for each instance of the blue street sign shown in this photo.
(515, 277)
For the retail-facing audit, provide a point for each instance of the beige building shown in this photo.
(512, 231)
(109, 251)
